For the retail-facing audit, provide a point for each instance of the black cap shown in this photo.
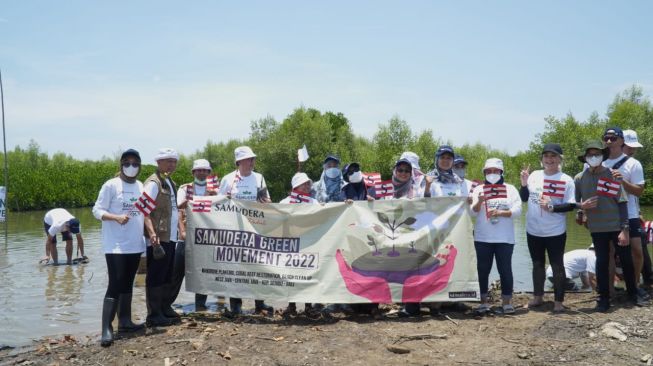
(457, 159)
(444, 149)
(615, 131)
(554, 148)
(404, 160)
(331, 157)
(130, 152)
(73, 226)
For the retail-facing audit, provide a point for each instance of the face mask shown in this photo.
(200, 182)
(493, 178)
(460, 173)
(594, 161)
(356, 177)
(332, 173)
(130, 171)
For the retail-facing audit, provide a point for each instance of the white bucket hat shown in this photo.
(412, 157)
(166, 153)
(630, 139)
(243, 152)
(298, 179)
(201, 164)
(493, 163)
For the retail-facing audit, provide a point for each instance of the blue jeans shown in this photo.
(485, 254)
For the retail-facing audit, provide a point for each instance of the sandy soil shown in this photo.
(535, 337)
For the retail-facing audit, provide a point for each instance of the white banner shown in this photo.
(380, 251)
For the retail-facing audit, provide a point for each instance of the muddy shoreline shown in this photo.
(456, 336)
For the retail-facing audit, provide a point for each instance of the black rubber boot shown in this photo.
(260, 306)
(108, 313)
(410, 309)
(125, 323)
(155, 317)
(235, 305)
(200, 302)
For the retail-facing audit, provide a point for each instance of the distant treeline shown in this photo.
(37, 181)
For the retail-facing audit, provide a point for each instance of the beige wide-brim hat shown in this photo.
(243, 152)
(298, 179)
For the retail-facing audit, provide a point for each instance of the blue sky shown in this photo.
(92, 78)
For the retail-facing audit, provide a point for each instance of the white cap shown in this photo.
(243, 152)
(493, 163)
(201, 164)
(298, 179)
(412, 157)
(630, 138)
(166, 153)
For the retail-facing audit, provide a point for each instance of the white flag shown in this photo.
(302, 154)
(3, 207)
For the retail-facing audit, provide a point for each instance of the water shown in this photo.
(38, 301)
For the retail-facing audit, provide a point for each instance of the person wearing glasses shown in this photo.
(630, 173)
(604, 203)
(122, 242)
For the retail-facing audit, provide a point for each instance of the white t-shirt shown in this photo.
(504, 230)
(539, 221)
(118, 197)
(245, 188)
(153, 190)
(197, 191)
(57, 218)
(576, 262)
(632, 172)
(439, 189)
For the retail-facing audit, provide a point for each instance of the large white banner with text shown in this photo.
(382, 251)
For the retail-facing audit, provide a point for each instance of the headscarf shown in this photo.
(441, 175)
(329, 188)
(403, 189)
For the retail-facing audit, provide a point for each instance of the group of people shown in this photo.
(150, 218)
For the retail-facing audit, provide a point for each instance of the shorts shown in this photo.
(635, 228)
(65, 235)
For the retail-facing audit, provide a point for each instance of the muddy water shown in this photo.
(37, 301)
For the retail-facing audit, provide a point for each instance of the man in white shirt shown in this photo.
(629, 171)
(579, 263)
(57, 221)
(245, 184)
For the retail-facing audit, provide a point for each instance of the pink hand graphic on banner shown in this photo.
(416, 288)
(374, 289)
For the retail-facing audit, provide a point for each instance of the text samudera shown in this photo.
(243, 247)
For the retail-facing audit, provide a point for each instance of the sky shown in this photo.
(92, 78)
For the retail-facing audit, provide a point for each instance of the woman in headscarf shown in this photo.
(404, 188)
(330, 184)
(445, 181)
(355, 188)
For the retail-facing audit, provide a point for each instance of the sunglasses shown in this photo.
(610, 138)
(401, 171)
(135, 165)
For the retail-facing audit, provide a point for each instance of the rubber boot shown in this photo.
(410, 309)
(236, 305)
(200, 302)
(172, 289)
(125, 323)
(260, 306)
(108, 313)
(155, 317)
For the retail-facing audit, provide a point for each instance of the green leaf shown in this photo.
(409, 221)
(383, 218)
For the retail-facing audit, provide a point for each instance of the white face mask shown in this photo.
(460, 173)
(493, 178)
(130, 171)
(200, 182)
(594, 161)
(356, 177)
(332, 172)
